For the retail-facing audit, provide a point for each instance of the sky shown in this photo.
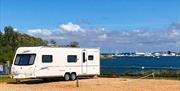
(112, 25)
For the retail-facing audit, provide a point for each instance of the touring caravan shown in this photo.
(46, 62)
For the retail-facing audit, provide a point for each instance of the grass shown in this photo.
(5, 78)
(157, 75)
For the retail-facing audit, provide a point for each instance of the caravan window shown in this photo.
(72, 58)
(47, 58)
(90, 57)
(24, 59)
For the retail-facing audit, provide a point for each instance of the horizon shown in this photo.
(119, 25)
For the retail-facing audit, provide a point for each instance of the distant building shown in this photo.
(140, 54)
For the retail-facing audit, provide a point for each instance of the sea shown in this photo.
(140, 64)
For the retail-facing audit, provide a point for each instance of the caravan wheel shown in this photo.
(18, 81)
(73, 76)
(67, 76)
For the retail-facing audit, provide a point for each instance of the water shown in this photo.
(139, 64)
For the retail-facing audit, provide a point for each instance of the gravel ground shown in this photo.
(98, 84)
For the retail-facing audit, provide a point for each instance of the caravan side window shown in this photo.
(71, 58)
(47, 58)
(90, 57)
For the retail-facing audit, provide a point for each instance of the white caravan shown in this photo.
(46, 62)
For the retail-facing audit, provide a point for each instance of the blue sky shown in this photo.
(25, 14)
(52, 17)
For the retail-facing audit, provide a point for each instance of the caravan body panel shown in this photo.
(40, 62)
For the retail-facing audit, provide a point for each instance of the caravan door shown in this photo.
(84, 61)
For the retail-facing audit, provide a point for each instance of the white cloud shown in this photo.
(103, 29)
(175, 33)
(44, 32)
(125, 34)
(57, 37)
(70, 27)
(136, 30)
(15, 29)
(104, 36)
(145, 34)
(131, 40)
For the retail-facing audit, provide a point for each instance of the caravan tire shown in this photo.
(46, 79)
(18, 81)
(73, 76)
(67, 77)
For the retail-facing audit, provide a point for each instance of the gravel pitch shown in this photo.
(98, 84)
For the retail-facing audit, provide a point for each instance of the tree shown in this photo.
(74, 44)
(169, 52)
(0, 34)
(10, 40)
(1, 37)
(10, 37)
(53, 42)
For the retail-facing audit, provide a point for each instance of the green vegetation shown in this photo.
(5, 78)
(106, 56)
(73, 44)
(10, 40)
(164, 75)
